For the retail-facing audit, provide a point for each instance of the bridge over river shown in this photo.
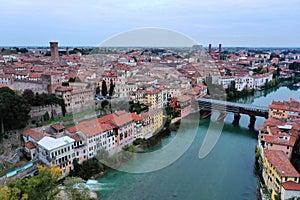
(208, 105)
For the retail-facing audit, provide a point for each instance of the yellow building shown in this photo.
(277, 169)
(278, 110)
(154, 97)
(156, 116)
(285, 110)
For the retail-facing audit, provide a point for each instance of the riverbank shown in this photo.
(143, 146)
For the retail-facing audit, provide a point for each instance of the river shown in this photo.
(227, 172)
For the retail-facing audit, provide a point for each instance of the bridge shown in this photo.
(207, 105)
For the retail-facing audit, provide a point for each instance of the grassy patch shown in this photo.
(74, 116)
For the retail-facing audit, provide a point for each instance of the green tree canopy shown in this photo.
(75, 189)
(111, 88)
(42, 186)
(28, 95)
(14, 110)
(98, 90)
(104, 88)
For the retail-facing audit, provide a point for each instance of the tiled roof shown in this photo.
(291, 185)
(72, 129)
(281, 163)
(280, 139)
(35, 134)
(63, 89)
(90, 128)
(136, 117)
(57, 126)
(29, 145)
(76, 137)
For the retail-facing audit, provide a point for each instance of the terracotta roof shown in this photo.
(145, 115)
(76, 137)
(153, 92)
(281, 163)
(271, 122)
(184, 98)
(136, 117)
(63, 89)
(118, 118)
(35, 75)
(90, 128)
(29, 145)
(72, 129)
(35, 134)
(291, 185)
(280, 139)
(57, 126)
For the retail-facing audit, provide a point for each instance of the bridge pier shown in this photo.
(221, 117)
(236, 118)
(206, 114)
(252, 121)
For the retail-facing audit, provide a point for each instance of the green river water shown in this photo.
(227, 172)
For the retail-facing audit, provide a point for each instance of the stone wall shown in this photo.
(38, 87)
(39, 111)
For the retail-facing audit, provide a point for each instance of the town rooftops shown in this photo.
(136, 117)
(63, 89)
(291, 185)
(281, 163)
(35, 134)
(90, 128)
(281, 139)
(76, 137)
(292, 104)
(29, 145)
(57, 126)
(50, 143)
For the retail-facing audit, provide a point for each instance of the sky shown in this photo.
(255, 23)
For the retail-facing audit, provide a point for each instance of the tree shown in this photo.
(98, 90)
(87, 169)
(232, 86)
(13, 110)
(7, 193)
(104, 88)
(111, 88)
(46, 116)
(42, 186)
(104, 104)
(75, 79)
(28, 95)
(75, 189)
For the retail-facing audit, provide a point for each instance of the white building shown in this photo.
(57, 152)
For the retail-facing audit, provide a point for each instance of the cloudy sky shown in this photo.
(89, 22)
